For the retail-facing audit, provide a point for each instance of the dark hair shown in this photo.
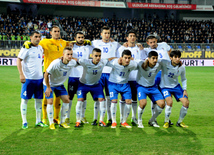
(175, 53)
(54, 26)
(78, 32)
(131, 31)
(152, 53)
(150, 37)
(32, 33)
(67, 48)
(96, 50)
(104, 28)
(126, 52)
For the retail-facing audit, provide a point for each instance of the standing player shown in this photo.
(170, 86)
(118, 83)
(89, 82)
(163, 50)
(55, 75)
(80, 52)
(139, 54)
(108, 49)
(29, 64)
(147, 72)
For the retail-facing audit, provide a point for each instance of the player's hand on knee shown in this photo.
(22, 79)
(48, 92)
(185, 94)
(27, 44)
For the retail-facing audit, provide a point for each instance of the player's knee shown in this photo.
(187, 103)
(101, 99)
(128, 101)
(81, 99)
(161, 104)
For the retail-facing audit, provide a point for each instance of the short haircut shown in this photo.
(67, 48)
(78, 32)
(152, 53)
(175, 53)
(126, 52)
(54, 26)
(150, 37)
(96, 50)
(32, 33)
(131, 31)
(104, 28)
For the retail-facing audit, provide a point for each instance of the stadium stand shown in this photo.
(15, 29)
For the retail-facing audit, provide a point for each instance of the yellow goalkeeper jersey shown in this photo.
(53, 49)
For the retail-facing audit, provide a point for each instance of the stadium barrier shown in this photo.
(201, 55)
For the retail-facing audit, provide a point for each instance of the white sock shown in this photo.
(153, 108)
(96, 109)
(183, 113)
(38, 107)
(122, 108)
(79, 110)
(158, 111)
(102, 110)
(168, 111)
(83, 109)
(69, 109)
(64, 112)
(140, 113)
(126, 112)
(134, 109)
(50, 113)
(113, 112)
(108, 107)
(23, 108)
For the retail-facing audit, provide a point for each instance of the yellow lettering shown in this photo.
(209, 54)
(12, 53)
(195, 54)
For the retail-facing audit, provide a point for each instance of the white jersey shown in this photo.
(120, 73)
(162, 50)
(80, 52)
(146, 77)
(169, 76)
(91, 72)
(32, 62)
(108, 50)
(137, 54)
(59, 72)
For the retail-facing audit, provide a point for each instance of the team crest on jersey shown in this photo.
(39, 56)
(60, 44)
(64, 73)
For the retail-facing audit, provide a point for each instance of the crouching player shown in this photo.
(147, 72)
(29, 64)
(56, 74)
(170, 86)
(118, 83)
(89, 82)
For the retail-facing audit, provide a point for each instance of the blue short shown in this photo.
(59, 91)
(32, 88)
(104, 82)
(95, 90)
(123, 89)
(177, 92)
(72, 86)
(152, 92)
(158, 78)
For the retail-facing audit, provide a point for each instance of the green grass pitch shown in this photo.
(197, 139)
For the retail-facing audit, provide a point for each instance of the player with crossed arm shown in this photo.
(118, 83)
(108, 49)
(29, 64)
(54, 78)
(170, 86)
(80, 52)
(147, 71)
(89, 82)
(163, 50)
(139, 54)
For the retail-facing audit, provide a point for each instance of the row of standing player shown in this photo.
(108, 49)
